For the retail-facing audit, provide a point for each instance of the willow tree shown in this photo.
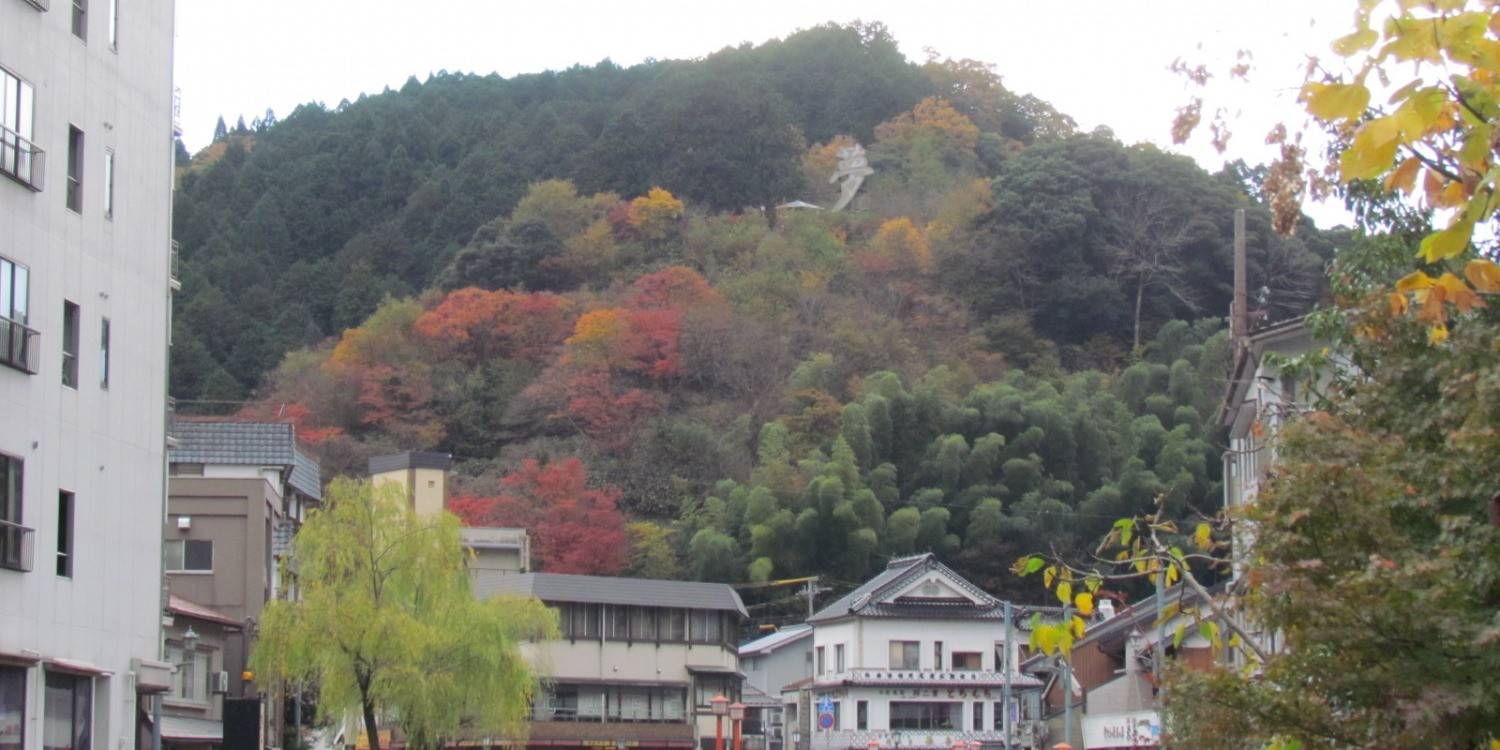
(387, 626)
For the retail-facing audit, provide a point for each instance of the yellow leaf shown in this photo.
(1336, 101)
(1484, 275)
(1048, 576)
(1372, 151)
(1414, 281)
(1397, 303)
(1437, 334)
(1078, 626)
(1404, 177)
(1044, 637)
(1359, 41)
(1458, 293)
(1203, 536)
(1448, 242)
(1173, 573)
(1065, 592)
(1085, 604)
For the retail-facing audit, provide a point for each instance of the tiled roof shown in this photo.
(559, 587)
(242, 443)
(864, 601)
(187, 608)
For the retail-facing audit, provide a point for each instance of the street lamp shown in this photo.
(737, 715)
(720, 706)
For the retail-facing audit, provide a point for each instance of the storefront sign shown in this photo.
(1136, 729)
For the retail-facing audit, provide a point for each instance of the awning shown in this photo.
(729, 671)
(77, 667)
(188, 729)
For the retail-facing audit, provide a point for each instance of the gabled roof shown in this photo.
(917, 587)
(179, 606)
(245, 443)
(775, 641)
(556, 588)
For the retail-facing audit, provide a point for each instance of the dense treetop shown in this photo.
(577, 283)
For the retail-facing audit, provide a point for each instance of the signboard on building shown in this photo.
(1134, 729)
(825, 712)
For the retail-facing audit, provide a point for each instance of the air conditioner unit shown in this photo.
(221, 682)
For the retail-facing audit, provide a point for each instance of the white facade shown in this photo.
(85, 234)
(916, 658)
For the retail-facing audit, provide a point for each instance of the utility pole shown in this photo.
(810, 590)
(1239, 313)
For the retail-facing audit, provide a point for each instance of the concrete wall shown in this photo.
(105, 445)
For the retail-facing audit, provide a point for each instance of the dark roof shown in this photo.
(411, 460)
(180, 606)
(554, 588)
(242, 443)
(865, 601)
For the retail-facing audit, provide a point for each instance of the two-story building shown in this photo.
(774, 665)
(917, 657)
(637, 663)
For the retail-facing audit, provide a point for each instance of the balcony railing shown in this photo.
(15, 547)
(18, 346)
(21, 160)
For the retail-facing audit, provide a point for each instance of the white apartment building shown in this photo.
(917, 657)
(86, 133)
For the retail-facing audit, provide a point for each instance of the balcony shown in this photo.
(18, 346)
(15, 547)
(21, 160)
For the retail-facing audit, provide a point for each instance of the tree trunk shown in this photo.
(1140, 288)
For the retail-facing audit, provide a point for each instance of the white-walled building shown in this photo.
(86, 135)
(914, 658)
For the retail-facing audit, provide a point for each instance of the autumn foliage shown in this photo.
(574, 529)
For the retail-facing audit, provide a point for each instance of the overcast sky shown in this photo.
(1105, 62)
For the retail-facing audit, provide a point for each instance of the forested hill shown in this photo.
(575, 282)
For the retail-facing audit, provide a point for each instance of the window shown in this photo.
(671, 625)
(978, 716)
(189, 674)
(937, 654)
(706, 626)
(68, 712)
(75, 169)
(65, 534)
(189, 555)
(643, 623)
(70, 345)
(12, 533)
(619, 623)
(862, 715)
(904, 655)
(109, 184)
(114, 24)
(15, 337)
(924, 715)
(12, 707)
(81, 19)
(967, 661)
(581, 620)
(18, 155)
(104, 354)
(838, 658)
(822, 663)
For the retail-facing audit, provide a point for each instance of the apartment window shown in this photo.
(924, 715)
(15, 337)
(821, 662)
(65, 534)
(70, 345)
(862, 715)
(937, 654)
(188, 555)
(109, 184)
(81, 19)
(104, 353)
(904, 655)
(68, 712)
(967, 661)
(18, 155)
(75, 169)
(838, 658)
(12, 533)
(978, 722)
(12, 707)
(189, 674)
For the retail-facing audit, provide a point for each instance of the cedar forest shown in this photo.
(577, 283)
